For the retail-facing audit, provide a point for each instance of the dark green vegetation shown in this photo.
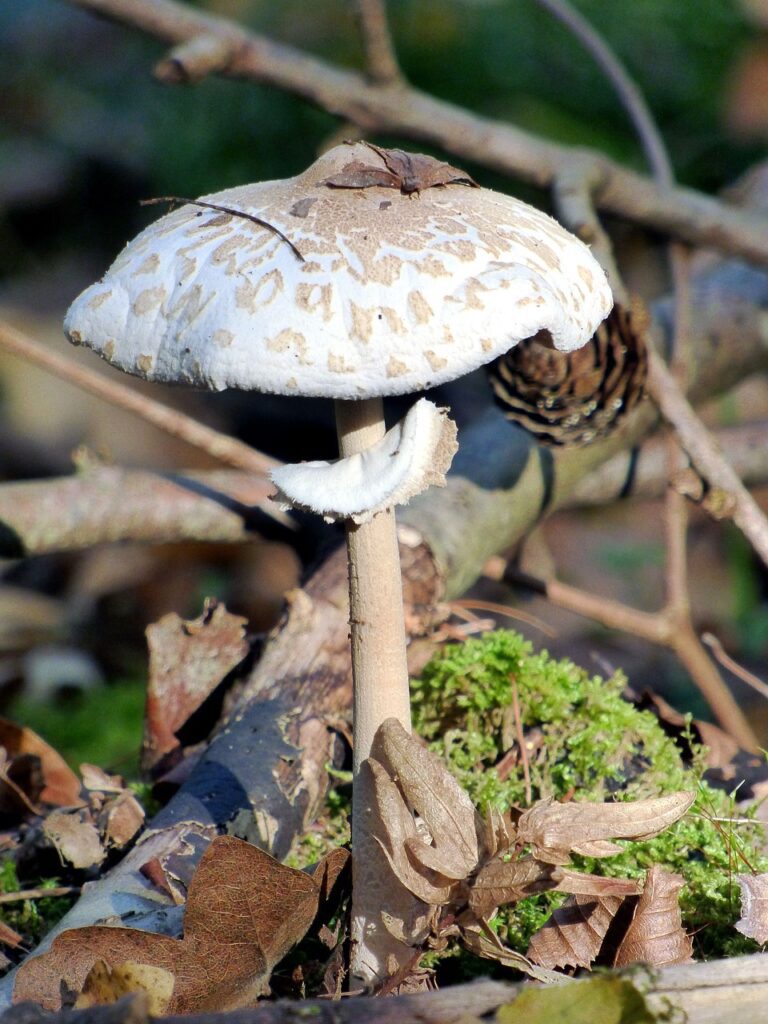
(100, 726)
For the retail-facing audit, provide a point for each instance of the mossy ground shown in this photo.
(588, 743)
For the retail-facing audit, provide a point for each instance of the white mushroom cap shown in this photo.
(393, 293)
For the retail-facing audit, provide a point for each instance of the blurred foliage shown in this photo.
(100, 726)
(88, 131)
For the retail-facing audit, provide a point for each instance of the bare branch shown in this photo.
(705, 455)
(380, 58)
(171, 421)
(683, 213)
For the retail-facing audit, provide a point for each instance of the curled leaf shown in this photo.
(436, 796)
(556, 830)
(656, 935)
(244, 912)
(396, 827)
(500, 882)
(754, 907)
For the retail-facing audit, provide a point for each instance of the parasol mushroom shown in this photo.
(373, 273)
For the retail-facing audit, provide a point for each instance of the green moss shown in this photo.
(31, 918)
(102, 726)
(591, 744)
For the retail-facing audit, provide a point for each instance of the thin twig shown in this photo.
(683, 213)
(502, 609)
(521, 740)
(659, 628)
(232, 212)
(629, 94)
(219, 446)
(705, 455)
(728, 662)
(381, 62)
(38, 894)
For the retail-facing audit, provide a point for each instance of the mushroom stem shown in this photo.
(379, 667)
(380, 691)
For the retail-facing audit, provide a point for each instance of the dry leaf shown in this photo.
(75, 837)
(573, 935)
(656, 935)
(408, 172)
(754, 907)
(397, 827)
(244, 912)
(8, 936)
(96, 779)
(500, 882)
(437, 798)
(60, 786)
(106, 984)
(187, 661)
(556, 830)
(120, 819)
(481, 941)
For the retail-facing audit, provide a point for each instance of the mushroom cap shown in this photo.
(392, 293)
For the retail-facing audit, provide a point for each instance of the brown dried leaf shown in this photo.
(408, 172)
(60, 785)
(574, 934)
(754, 907)
(656, 935)
(500, 882)
(438, 799)
(556, 830)
(244, 912)
(481, 941)
(396, 826)
(187, 661)
(106, 984)
(8, 936)
(75, 837)
(120, 819)
(96, 779)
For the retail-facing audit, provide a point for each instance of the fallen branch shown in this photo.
(502, 481)
(408, 112)
(219, 446)
(733, 990)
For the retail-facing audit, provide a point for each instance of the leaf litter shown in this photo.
(463, 867)
(244, 912)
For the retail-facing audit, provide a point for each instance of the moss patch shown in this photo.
(588, 742)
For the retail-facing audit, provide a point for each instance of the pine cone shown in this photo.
(574, 398)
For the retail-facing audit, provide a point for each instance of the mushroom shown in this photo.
(373, 273)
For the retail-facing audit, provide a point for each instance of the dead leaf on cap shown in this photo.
(656, 935)
(754, 907)
(556, 830)
(56, 784)
(75, 838)
(187, 661)
(105, 984)
(244, 912)
(408, 172)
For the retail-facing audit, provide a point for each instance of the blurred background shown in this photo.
(86, 132)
